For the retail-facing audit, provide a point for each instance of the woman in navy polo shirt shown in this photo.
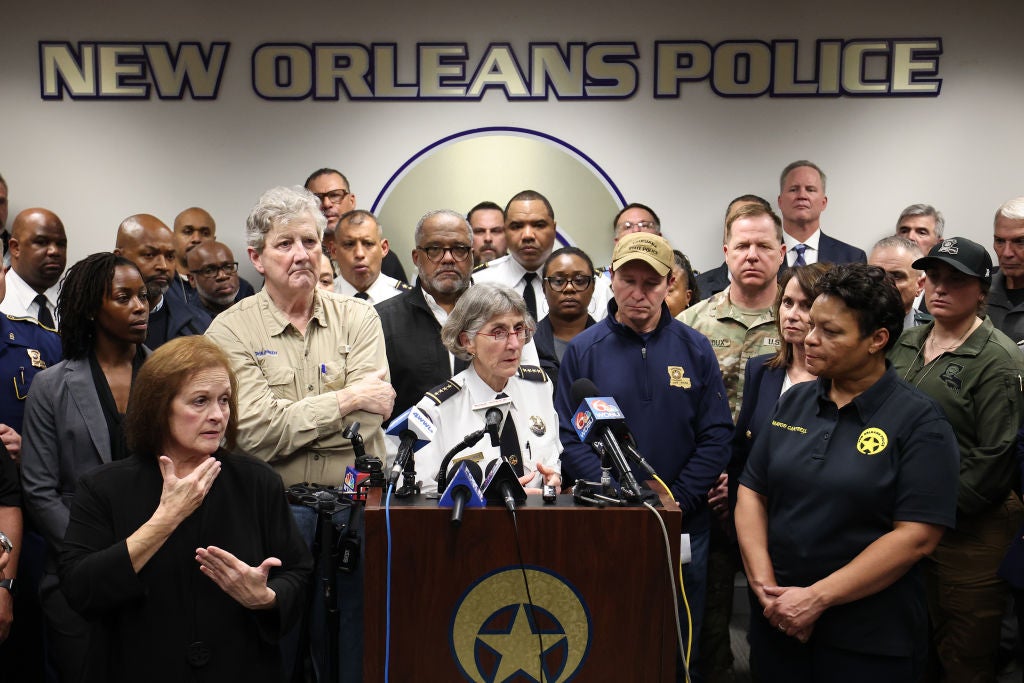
(850, 484)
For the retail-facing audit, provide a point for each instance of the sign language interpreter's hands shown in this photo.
(247, 585)
(182, 495)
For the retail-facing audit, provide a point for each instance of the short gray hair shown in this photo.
(479, 304)
(280, 206)
(898, 242)
(1013, 209)
(801, 164)
(924, 210)
(418, 234)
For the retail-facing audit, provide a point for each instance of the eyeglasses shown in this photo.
(639, 226)
(579, 282)
(334, 196)
(500, 335)
(459, 252)
(212, 270)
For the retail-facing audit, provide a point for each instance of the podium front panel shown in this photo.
(598, 579)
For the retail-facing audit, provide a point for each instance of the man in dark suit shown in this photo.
(145, 240)
(802, 199)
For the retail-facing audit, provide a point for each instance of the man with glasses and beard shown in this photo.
(213, 274)
(412, 321)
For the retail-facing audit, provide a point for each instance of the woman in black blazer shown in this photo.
(767, 377)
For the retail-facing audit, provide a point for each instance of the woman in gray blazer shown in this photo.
(73, 422)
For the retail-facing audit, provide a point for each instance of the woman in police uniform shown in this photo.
(851, 482)
(488, 327)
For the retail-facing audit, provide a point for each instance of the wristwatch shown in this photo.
(8, 584)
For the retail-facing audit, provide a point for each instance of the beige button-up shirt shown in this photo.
(288, 411)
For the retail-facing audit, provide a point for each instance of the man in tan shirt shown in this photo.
(308, 364)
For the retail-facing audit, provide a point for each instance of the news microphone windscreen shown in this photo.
(468, 477)
(416, 422)
(501, 472)
(583, 388)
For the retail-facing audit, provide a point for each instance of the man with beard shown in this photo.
(412, 321)
(145, 239)
(213, 274)
(39, 252)
(488, 222)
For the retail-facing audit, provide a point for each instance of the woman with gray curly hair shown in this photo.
(489, 327)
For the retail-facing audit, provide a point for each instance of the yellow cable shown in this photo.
(682, 589)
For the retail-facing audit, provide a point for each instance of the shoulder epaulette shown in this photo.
(28, 319)
(532, 373)
(402, 287)
(482, 266)
(443, 392)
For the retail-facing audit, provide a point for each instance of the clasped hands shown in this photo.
(793, 610)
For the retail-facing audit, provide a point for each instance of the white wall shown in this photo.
(95, 162)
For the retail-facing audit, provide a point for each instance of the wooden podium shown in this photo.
(598, 579)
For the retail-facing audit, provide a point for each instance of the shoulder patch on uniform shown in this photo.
(443, 392)
(532, 373)
(482, 266)
(27, 319)
(402, 287)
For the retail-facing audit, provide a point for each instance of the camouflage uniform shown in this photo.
(736, 335)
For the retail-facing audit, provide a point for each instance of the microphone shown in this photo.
(464, 491)
(415, 430)
(595, 421)
(502, 485)
(492, 422)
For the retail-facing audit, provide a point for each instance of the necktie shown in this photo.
(800, 249)
(529, 296)
(44, 316)
(509, 442)
(361, 295)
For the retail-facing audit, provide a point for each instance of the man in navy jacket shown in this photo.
(665, 378)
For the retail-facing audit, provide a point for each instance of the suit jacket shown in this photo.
(762, 387)
(712, 282)
(831, 250)
(65, 435)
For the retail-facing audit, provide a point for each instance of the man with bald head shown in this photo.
(39, 252)
(213, 275)
(145, 240)
(192, 227)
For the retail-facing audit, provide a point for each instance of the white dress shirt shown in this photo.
(810, 253)
(382, 289)
(20, 298)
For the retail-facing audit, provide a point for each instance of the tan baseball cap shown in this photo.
(654, 250)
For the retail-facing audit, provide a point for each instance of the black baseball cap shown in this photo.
(962, 254)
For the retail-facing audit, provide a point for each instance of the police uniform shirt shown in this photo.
(509, 272)
(28, 348)
(20, 298)
(382, 289)
(457, 408)
(837, 479)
